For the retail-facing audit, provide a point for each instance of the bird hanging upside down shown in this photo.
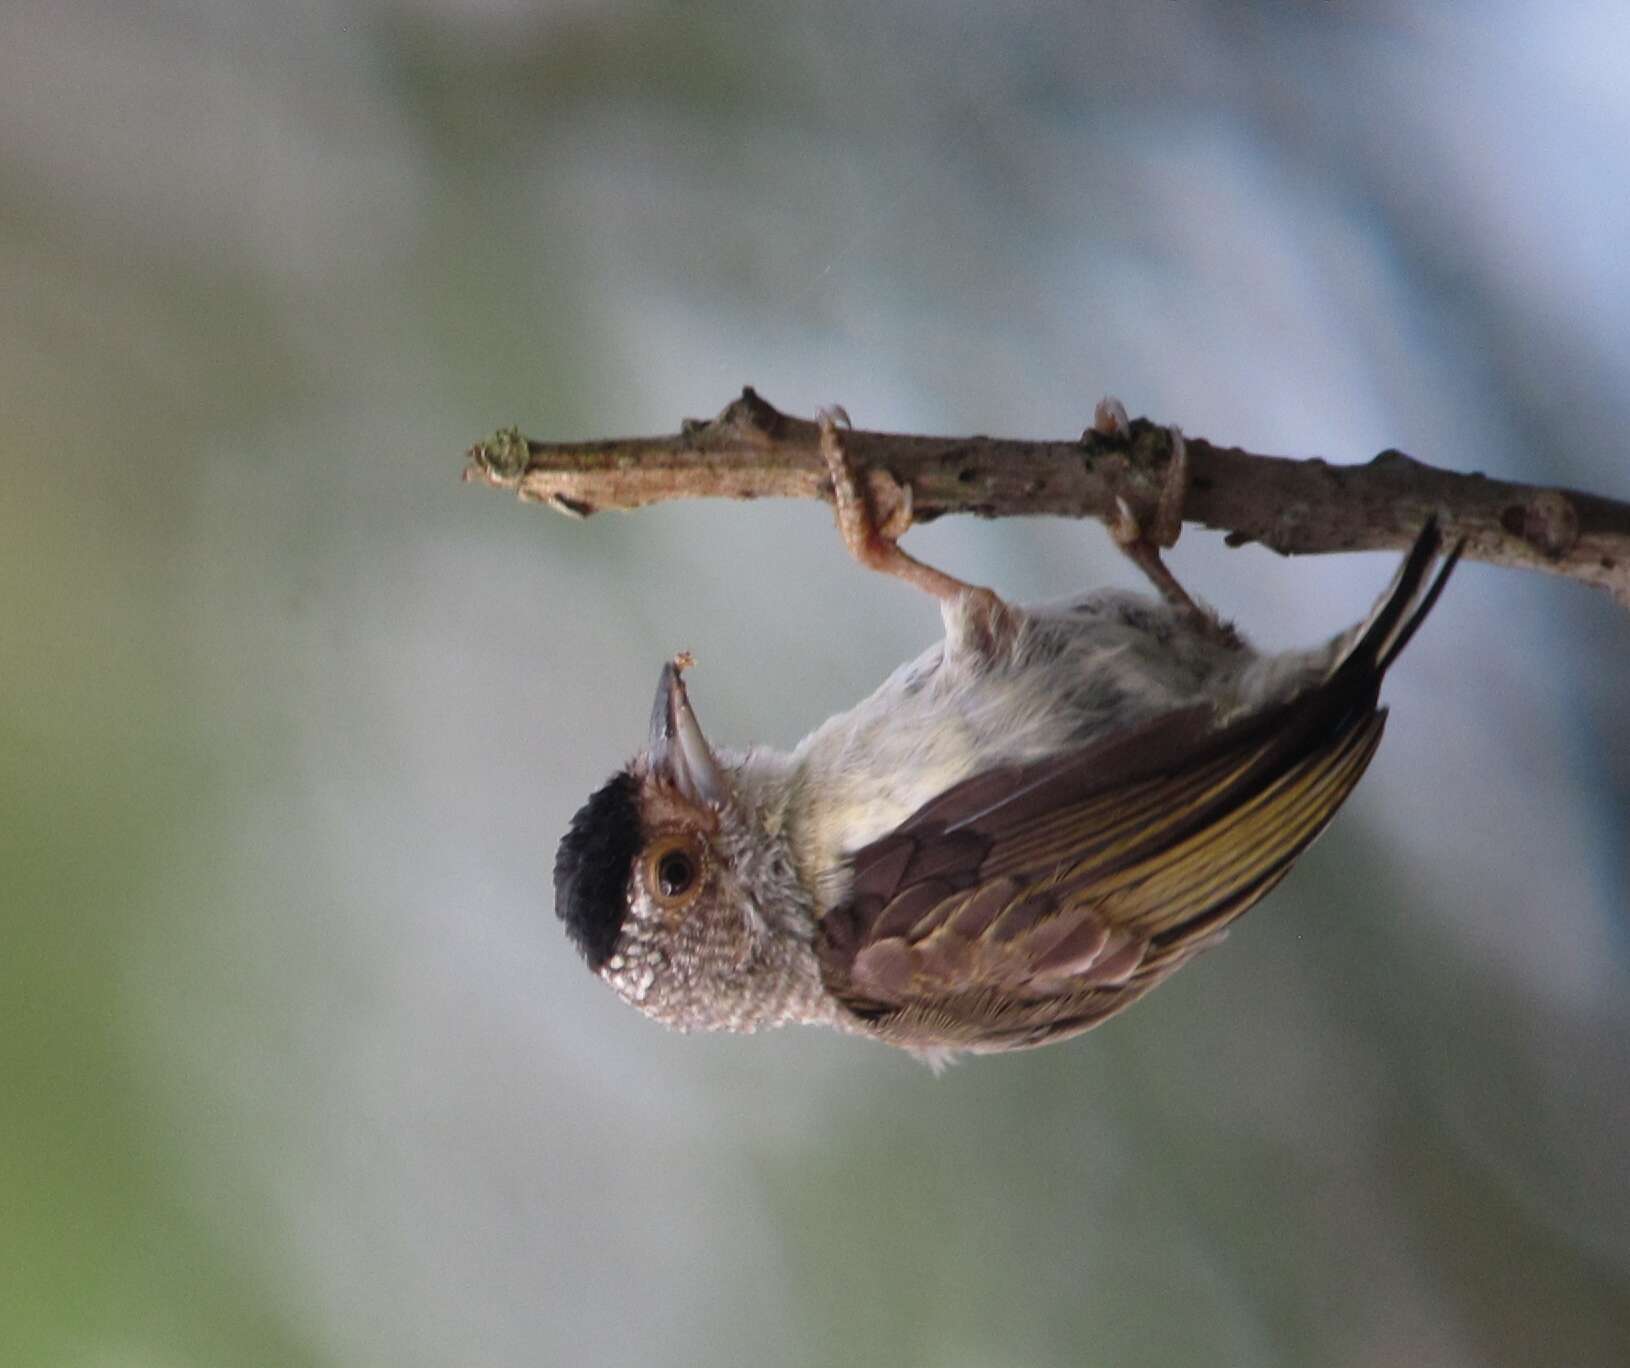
(1018, 834)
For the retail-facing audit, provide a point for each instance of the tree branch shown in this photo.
(1297, 507)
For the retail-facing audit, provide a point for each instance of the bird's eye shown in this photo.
(675, 874)
(673, 870)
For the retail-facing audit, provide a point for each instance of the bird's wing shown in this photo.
(1034, 900)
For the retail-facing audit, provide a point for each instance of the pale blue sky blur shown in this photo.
(298, 1066)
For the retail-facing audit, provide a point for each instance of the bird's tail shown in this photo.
(1370, 648)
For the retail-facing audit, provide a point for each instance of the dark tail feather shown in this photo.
(1403, 608)
(1395, 648)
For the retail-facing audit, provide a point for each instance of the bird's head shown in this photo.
(676, 890)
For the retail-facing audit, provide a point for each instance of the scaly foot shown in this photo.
(1142, 538)
(872, 517)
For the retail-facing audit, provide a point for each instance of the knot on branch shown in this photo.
(749, 416)
(1547, 521)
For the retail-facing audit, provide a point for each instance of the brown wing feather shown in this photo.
(1033, 901)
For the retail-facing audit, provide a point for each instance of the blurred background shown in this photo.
(298, 1067)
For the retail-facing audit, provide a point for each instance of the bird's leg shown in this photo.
(874, 515)
(1142, 538)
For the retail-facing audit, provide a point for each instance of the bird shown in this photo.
(1016, 836)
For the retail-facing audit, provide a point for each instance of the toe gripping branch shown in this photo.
(1142, 536)
(873, 512)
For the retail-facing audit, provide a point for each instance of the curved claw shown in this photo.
(1169, 511)
(1109, 417)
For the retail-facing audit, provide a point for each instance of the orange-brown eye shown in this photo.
(675, 874)
(673, 870)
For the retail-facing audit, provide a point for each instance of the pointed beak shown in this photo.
(678, 751)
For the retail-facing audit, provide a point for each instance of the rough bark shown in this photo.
(1297, 507)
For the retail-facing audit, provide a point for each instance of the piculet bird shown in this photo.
(1018, 834)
